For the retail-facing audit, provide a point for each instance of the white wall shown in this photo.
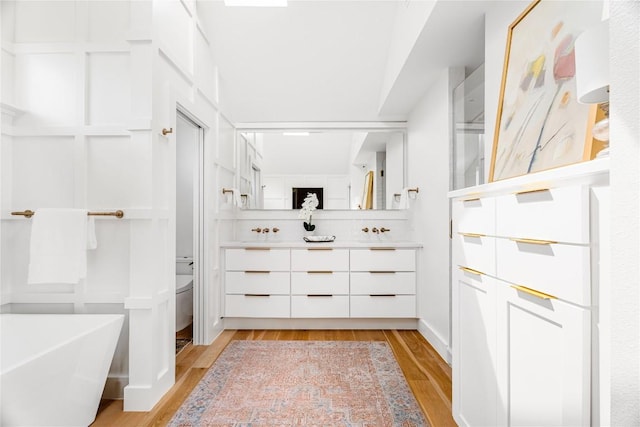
(429, 139)
(97, 88)
(625, 212)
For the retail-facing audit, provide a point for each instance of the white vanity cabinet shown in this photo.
(319, 283)
(474, 299)
(257, 282)
(383, 282)
(544, 364)
(522, 300)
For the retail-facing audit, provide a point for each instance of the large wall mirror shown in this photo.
(347, 169)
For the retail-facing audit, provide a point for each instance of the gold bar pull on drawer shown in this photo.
(537, 190)
(472, 199)
(257, 295)
(534, 241)
(382, 249)
(257, 249)
(382, 295)
(382, 272)
(319, 295)
(471, 270)
(257, 272)
(319, 249)
(472, 234)
(319, 272)
(533, 292)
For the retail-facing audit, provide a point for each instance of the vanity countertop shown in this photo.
(341, 244)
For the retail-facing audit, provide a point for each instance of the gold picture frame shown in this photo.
(540, 125)
(367, 191)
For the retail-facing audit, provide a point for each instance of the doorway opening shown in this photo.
(189, 217)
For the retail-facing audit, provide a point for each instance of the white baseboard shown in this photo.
(249, 323)
(436, 340)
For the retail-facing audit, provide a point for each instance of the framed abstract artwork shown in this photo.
(540, 124)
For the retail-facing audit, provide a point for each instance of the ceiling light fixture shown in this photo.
(295, 133)
(256, 3)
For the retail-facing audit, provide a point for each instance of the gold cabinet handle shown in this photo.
(319, 272)
(533, 292)
(382, 272)
(534, 241)
(319, 295)
(471, 270)
(473, 199)
(257, 272)
(472, 234)
(319, 249)
(257, 249)
(538, 190)
(382, 295)
(257, 295)
(382, 249)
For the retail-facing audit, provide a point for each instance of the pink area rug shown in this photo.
(302, 383)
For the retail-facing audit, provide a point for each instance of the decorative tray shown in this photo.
(319, 239)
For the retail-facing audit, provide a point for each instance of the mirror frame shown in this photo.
(400, 127)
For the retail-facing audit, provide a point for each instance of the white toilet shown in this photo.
(184, 294)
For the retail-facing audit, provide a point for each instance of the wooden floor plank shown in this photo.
(428, 376)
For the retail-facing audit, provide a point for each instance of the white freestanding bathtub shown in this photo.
(53, 367)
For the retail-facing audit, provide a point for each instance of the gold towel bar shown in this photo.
(227, 190)
(118, 214)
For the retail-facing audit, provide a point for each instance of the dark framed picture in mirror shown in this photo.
(299, 193)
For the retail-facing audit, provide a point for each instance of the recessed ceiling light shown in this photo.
(295, 133)
(256, 3)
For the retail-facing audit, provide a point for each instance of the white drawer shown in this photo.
(475, 252)
(319, 259)
(240, 282)
(257, 305)
(559, 214)
(367, 283)
(559, 270)
(257, 259)
(383, 306)
(474, 215)
(320, 306)
(320, 283)
(383, 259)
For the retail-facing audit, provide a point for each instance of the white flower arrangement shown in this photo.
(309, 205)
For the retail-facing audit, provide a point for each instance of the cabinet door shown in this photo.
(474, 349)
(543, 360)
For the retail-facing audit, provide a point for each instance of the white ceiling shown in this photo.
(325, 60)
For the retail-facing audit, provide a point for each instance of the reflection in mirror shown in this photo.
(276, 166)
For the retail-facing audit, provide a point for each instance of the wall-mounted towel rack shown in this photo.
(410, 190)
(118, 214)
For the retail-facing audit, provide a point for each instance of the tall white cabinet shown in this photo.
(525, 286)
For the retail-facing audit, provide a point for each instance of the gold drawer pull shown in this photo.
(471, 270)
(257, 272)
(472, 234)
(382, 249)
(533, 292)
(534, 241)
(257, 249)
(382, 295)
(319, 272)
(319, 295)
(382, 272)
(257, 295)
(539, 190)
(319, 249)
(473, 199)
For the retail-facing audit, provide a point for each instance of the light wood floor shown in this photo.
(427, 374)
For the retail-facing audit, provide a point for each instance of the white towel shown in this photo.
(404, 199)
(58, 252)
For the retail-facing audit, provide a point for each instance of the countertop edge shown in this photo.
(304, 245)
